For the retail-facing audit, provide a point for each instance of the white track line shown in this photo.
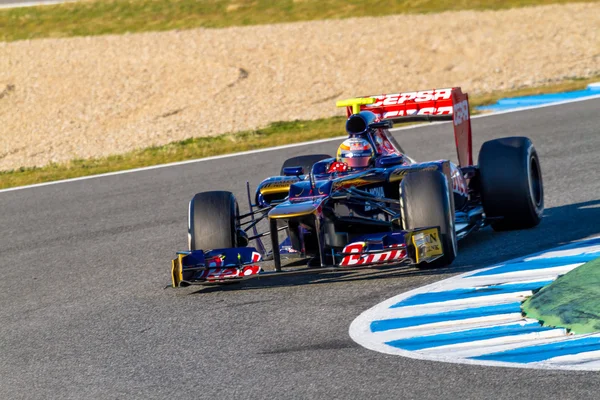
(287, 146)
(174, 164)
(35, 3)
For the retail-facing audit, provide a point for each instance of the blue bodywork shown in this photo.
(349, 219)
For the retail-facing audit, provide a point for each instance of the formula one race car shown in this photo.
(371, 205)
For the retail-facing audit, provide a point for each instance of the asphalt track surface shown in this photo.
(84, 314)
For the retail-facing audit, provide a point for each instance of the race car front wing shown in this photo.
(235, 264)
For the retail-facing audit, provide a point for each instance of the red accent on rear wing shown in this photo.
(434, 104)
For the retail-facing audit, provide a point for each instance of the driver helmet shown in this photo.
(356, 152)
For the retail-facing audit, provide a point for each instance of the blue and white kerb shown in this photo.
(475, 318)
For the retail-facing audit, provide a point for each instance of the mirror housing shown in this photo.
(293, 171)
(389, 161)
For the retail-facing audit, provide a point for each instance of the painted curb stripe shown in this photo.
(548, 98)
(459, 315)
(475, 318)
(538, 264)
(544, 351)
(468, 336)
(588, 357)
(456, 305)
(424, 330)
(467, 351)
(521, 275)
(460, 294)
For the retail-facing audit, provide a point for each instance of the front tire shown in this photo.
(511, 183)
(212, 221)
(425, 201)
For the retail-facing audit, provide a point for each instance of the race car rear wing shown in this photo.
(449, 104)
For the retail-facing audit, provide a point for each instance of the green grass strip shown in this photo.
(276, 134)
(101, 17)
(572, 301)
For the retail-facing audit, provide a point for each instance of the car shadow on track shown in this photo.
(318, 278)
(560, 225)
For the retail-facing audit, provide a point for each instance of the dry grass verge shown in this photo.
(100, 17)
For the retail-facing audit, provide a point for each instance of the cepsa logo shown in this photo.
(461, 112)
(417, 97)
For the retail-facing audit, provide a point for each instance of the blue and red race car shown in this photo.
(371, 205)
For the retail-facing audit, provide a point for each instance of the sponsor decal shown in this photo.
(417, 97)
(276, 186)
(221, 274)
(356, 256)
(427, 243)
(256, 257)
(250, 270)
(216, 261)
(459, 184)
(351, 182)
(219, 260)
(299, 193)
(401, 172)
(461, 112)
(421, 111)
(355, 143)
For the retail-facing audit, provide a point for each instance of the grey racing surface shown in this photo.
(85, 316)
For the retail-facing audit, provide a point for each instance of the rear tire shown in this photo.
(212, 221)
(511, 183)
(306, 162)
(425, 201)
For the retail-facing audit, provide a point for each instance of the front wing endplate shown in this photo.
(428, 245)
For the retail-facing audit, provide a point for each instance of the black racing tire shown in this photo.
(512, 191)
(212, 221)
(306, 162)
(425, 202)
